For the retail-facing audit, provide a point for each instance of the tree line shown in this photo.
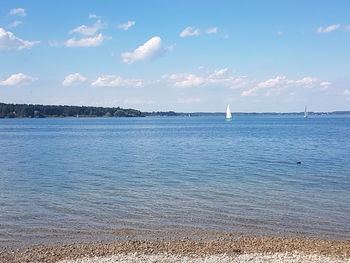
(42, 111)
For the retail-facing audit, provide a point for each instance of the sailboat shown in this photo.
(228, 113)
(305, 113)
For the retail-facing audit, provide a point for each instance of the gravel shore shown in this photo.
(264, 249)
(245, 258)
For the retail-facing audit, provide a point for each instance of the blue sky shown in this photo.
(177, 55)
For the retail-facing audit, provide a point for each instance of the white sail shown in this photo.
(305, 112)
(228, 112)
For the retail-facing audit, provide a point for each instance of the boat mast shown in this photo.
(305, 112)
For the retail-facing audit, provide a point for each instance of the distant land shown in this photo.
(49, 111)
(42, 111)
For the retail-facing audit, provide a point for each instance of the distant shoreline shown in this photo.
(64, 111)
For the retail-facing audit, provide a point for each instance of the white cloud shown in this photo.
(307, 82)
(279, 81)
(127, 25)
(15, 23)
(216, 78)
(325, 84)
(249, 92)
(88, 31)
(278, 84)
(221, 78)
(190, 31)
(328, 28)
(116, 81)
(94, 16)
(73, 79)
(189, 100)
(9, 42)
(17, 79)
(220, 72)
(188, 80)
(272, 82)
(85, 42)
(346, 92)
(18, 11)
(280, 33)
(149, 50)
(212, 30)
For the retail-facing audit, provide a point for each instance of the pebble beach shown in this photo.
(258, 249)
(277, 257)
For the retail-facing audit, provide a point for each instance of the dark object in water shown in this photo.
(299, 162)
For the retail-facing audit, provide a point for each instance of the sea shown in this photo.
(69, 178)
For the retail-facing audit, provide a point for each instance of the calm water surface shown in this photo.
(62, 177)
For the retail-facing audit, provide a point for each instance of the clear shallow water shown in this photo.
(62, 177)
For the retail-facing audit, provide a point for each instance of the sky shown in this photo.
(184, 56)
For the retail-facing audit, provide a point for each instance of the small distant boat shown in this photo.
(228, 113)
(305, 113)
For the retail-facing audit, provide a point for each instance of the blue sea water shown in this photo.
(62, 177)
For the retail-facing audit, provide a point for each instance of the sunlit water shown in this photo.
(69, 176)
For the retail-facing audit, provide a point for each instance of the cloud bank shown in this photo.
(277, 84)
(219, 77)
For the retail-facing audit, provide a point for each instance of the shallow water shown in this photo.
(63, 177)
